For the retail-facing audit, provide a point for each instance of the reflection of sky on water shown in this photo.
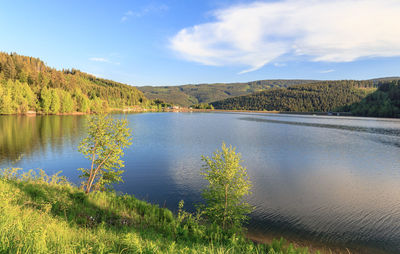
(334, 184)
(331, 179)
(368, 122)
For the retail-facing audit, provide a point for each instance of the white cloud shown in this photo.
(126, 16)
(280, 64)
(103, 60)
(98, 59)
(255, 34)
(151, 8)
(327, 71)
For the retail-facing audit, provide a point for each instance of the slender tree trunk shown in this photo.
(226, 205)
(91, 170)
(92, 180)
(96, 171)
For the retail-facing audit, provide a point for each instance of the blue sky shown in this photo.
(181, 42)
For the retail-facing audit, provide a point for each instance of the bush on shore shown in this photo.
(47, 214)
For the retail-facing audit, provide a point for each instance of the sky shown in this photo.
(178, 42)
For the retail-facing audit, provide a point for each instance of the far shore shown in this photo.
(260, 111)
(188, 110)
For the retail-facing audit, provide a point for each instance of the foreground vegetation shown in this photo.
(27, 84)
(47, 214)
(228, 185)
(104, 147)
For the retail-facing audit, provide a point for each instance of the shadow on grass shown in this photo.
(111, 216)
(66, 203)
(118, 212)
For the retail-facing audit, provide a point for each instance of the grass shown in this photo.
(47, 214)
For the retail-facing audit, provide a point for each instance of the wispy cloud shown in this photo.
(151, 8)
(98, 59)
(327, 71)
(256, 34)
(280, 64)
(126, 16)
(103, 60)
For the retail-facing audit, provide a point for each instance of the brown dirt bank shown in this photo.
(313, 246)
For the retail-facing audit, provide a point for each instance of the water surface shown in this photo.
(334, 180)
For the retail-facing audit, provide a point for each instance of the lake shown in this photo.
(317, 179)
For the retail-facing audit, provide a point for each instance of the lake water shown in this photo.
(333, 180)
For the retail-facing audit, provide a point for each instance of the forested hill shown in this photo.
(315, 97)
(26, 83)
(384, 102)
(187, 95)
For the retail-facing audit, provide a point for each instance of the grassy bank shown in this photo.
(42, 214)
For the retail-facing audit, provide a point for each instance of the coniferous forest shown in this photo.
(27, 84)
(375, 98)
(316, 97)
(187, 95)
(384, 102)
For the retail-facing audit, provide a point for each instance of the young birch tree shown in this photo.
(227, 188)
(107, 137)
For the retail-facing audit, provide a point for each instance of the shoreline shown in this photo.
(313, 245)
(126, 223)
(187, 110)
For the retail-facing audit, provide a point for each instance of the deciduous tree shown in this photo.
(107, 137)
(45, 96)
(55, 102)
(228, 185)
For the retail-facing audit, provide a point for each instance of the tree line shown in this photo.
(202, 106)
(187, 95)
(320, 96)
(384, 102)
(26, 83)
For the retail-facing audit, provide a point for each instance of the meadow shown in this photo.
(47, 214)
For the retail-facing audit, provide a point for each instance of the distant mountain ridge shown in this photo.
(377, 80)
(324, 96)
(186, 95)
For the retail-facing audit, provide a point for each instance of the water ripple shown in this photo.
(384, 131)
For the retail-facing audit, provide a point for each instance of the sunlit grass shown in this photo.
(47, 214)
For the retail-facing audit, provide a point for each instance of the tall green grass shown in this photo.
(47, 214)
